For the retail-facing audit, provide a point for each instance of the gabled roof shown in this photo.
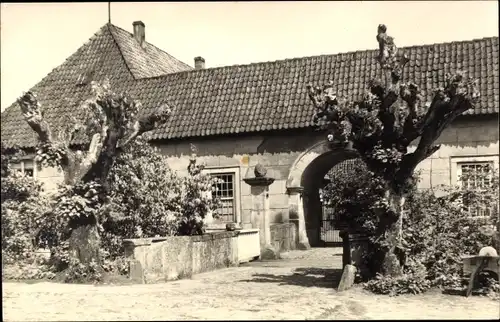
(242, 98)
(110, 53)
(146, 61)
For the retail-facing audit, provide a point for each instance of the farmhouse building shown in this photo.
(243, 115)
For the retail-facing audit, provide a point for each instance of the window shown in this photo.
(26, 167)
(475, 173)
(227, 190)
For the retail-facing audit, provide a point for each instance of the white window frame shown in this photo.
(456, 169)
(21, 166)
(235, 171)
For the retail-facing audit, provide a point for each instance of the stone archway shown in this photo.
(303, 184)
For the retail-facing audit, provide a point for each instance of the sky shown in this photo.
(37, 37)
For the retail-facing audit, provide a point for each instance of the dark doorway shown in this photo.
(329, 233)
(331, 227)
(321, 230)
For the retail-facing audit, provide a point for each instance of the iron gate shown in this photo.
(329, 234)
(330, 230)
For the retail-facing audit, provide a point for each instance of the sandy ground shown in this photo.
(298, 287)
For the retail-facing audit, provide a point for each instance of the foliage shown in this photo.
(413, 281)
(119, 265)
(78, 272)
(439, 230)
(121, 185)
(437, 227)
(34, 268)
(357, 203)
(77, 202)
(145, 195)
(110, 122)
(23, 207)
(197, 200)
(361, 206)
(148, 199)
(59, 256)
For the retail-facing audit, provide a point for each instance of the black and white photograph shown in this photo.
(250, 160)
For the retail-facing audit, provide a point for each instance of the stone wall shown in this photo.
(284, 237)
(476, 137)
(278, 152)
(170, 258)
(176, 257)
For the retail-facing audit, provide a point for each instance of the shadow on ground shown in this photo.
(303, 276)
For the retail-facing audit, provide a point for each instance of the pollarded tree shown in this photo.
(111, 121)
(382, 125)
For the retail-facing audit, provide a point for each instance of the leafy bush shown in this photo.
(59, 256)
(197, 199)
(34, 268)
(148, 199)
(360, 206)
(23, 208)
(440, 231)
(118, 265)
(413, 281)
(145, 196)
(356, 202)
(437, 229)
(80, 273)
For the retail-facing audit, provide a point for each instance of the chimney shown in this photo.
(139, 32)
(199, 62)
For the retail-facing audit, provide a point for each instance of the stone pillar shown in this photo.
(260, 211)
(296, 214)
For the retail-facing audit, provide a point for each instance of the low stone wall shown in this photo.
(214, 250)
(283, 237)
(170, 258)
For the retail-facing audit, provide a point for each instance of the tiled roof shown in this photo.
(98, 58)
(147, 61)
(241, 99)
(272, 95)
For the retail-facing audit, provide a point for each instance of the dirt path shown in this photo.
(298, 287)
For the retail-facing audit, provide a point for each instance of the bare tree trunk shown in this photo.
(85, 240)
(84, 244)
(394, 255)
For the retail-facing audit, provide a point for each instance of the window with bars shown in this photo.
(225, 191)
(476, 176)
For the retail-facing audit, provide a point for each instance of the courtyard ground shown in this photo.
(297, 287)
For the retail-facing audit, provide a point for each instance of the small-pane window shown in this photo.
(475, 176)
(225, 192)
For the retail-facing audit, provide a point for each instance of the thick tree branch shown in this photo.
(459, 96)
(33, 114)
(392, 67)
(146, 123)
